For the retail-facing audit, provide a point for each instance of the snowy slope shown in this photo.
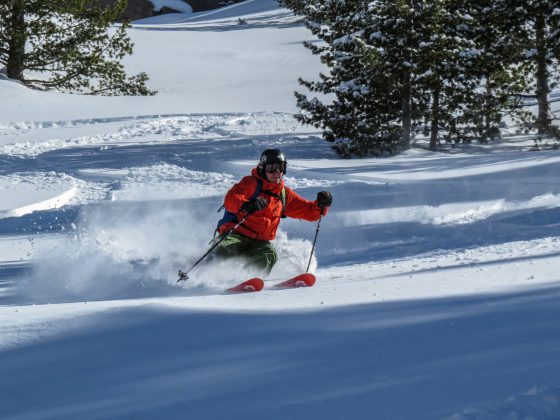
(214, 67)
(250, 10)
(438, 287)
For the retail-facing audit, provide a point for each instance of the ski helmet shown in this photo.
(270, 157)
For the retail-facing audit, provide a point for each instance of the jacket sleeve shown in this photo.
(298, 207)
(239, 194)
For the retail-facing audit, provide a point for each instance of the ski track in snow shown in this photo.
(446, 214)
(30, 139)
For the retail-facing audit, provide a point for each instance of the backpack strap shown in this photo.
(257, 190)
(283, 198)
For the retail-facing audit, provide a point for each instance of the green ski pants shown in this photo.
(258, 253)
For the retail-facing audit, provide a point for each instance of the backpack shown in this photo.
(230, 217)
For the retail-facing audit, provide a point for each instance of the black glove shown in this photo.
(324, 199)
(254, 205)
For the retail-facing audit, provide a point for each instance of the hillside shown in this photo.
(437, 282)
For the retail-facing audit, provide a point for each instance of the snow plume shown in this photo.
(293, 257)
(122, 250)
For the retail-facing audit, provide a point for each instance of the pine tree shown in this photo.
(538, 26)
(546, 57)
(297, 6)
(496, 46)
(442, 54)
(67, 45)
(394, 65)
(362, 102)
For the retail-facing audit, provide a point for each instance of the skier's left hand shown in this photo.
(324, 199)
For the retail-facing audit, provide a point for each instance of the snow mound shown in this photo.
(178, 5)
(24, 193)
(256, 10)
(165, 181)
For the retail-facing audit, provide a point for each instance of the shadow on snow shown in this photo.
(422, 360)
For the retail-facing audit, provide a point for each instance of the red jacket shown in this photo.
(263, 224)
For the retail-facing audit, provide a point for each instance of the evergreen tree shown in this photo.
(394, 65)
(297, 6)
(496, 48)
(443, 54)
(537, 28)
(67, 45)
(362, 93)
(546, 57)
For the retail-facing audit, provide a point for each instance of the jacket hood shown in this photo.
(268, 186)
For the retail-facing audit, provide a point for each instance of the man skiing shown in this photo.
(263, 199)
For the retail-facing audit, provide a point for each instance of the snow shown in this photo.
(178, 5)
(437, 292)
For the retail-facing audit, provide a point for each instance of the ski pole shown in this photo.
(314, 241)
(184, 275)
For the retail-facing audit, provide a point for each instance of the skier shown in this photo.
(263, 197)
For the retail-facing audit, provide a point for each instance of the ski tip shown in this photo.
(303, 280)
(309, 279)
(252, 285)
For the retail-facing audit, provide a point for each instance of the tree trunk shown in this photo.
(543, 89)
(435, 120)
(406, 112)
(487, 118)
(16, 43)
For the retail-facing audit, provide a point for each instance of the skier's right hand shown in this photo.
(254, 205)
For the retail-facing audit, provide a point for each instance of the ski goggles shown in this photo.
(275, 167)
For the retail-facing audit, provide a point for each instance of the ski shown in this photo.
(251, 285)
(256, 284)
(303, 280)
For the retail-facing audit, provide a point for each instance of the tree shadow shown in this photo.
(419, 359)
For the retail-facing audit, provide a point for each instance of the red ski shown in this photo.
(251, 285)
(303, 280)
(256, 284)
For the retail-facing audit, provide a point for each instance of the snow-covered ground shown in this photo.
(438, 293)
